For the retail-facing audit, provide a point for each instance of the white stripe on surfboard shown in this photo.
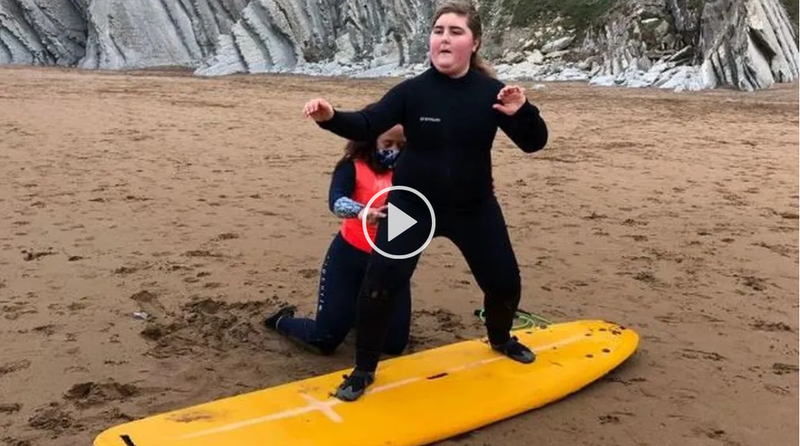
(326, 407)
(390, 386)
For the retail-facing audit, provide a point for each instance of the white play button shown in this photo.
(398, 221)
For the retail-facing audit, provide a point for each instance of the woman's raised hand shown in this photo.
(319, 110)
(511, 98)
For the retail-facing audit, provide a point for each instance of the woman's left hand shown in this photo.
(511, 98)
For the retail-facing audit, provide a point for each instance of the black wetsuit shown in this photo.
(450, 127)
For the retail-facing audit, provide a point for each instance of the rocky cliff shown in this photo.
(147, 33)
(113, 34)
(287, 35)
(42, 32)
(679, 44)
(747, 45)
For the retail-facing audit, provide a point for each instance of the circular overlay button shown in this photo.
(409, 224)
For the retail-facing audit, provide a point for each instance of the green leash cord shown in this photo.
(522, 319)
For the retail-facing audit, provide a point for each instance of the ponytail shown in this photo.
(481, 65)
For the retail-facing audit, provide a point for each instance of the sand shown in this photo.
(203, 203)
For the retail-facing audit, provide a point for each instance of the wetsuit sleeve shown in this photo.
(526, 128)
(343, 183)
(367, 125)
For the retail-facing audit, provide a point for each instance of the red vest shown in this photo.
(368, 183)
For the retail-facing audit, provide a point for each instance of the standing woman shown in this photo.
(450, 115)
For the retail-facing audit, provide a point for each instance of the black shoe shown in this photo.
(515, 350)
(271, 322)
(354, 385)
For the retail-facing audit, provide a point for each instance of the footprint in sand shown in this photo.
(9, 408)
(136, 198)
(690, 317)
(614, 378)
(714, 434)
(125, 270)
(752, 282)
(52, 418)
(608, 419)
(646, 277)
(76, 307)
(779, 368)
(47, 330)
(211, 324)
(443, 320)
(777, 390)
(172, 267)
(614, 417)
(115, 416)
(782, 250)
(595, 216)
(14, 310)
(309, 273)
(789, 215)
(226, 236)
(700, 354)
(35, 255)
(632, 222)
(772, 326)
(9, 441)
(201, 253)
(88, 394)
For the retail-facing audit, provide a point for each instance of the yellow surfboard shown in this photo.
(416, 399)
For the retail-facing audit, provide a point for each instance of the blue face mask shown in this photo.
(387, 157)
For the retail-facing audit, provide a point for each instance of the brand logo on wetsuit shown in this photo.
(429, 119)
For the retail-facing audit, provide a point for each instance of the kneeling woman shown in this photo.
(365, 170)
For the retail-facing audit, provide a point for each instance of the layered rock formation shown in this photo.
(747, 45)
(42, 32)
(680, 44)
(149, 33)
(114, 34)
(315, 36)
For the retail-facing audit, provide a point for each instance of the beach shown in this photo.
(151, 220)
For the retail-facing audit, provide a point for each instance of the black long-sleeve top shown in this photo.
(343, 182)
(450, 127)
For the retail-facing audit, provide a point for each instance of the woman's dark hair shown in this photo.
(363, 150)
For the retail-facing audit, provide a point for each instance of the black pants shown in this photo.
(340, 280)
(478, 231)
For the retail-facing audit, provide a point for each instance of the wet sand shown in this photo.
(203, 202)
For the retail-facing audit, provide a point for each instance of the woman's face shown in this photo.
(452, 44)
(394, 138)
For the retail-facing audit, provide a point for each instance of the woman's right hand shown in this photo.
(319, 110)
(373, 215)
